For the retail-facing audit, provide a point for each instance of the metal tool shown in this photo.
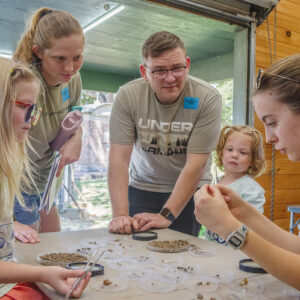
(89, 266)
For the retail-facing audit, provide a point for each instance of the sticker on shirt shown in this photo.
(191, 103)
(65, 94)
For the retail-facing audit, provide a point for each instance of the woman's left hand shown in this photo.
(70, 151)
(25, 233)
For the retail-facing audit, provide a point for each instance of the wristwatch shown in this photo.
(165, 212)
(236, 239)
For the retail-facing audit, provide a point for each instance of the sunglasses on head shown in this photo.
(32, 114)
(260, 75)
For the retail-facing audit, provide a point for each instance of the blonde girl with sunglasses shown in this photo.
(19, 88)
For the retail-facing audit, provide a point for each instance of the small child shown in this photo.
(240, 154)
(19, 88)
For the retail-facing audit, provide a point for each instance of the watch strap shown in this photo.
(165, 212)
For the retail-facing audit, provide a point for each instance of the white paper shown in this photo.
(48, 198)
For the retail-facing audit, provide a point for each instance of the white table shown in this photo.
(225, 259)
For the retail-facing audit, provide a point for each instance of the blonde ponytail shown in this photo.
(45, 26)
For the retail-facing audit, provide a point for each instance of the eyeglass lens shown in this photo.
(35, 116)
(29, 113)
(178, 71)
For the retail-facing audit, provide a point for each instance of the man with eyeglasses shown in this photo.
(163, 128)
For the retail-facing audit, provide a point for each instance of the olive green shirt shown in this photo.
(55, 102)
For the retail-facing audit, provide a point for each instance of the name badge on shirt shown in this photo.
(65, 94)
(191, 103)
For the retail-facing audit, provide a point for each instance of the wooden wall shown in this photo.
(287, 179)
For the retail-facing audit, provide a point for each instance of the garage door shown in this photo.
(240, 12)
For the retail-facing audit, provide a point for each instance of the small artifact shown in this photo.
(92, 243)
(83, 249)
(107, 282)
(197, 251)
(202, 283)
(244, 282)
(187, 269)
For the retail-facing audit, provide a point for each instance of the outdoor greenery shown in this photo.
(225, 88)
(89, 97)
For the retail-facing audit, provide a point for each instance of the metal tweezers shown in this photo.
(89, 266)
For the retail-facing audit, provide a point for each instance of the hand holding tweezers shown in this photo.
(89, 266)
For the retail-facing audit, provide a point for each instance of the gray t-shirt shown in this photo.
(55, 102)
(163, 134)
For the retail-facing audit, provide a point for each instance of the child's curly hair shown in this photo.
(257, 156)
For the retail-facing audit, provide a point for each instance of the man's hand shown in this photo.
(25, 233)
(123, 224)
(150, 220)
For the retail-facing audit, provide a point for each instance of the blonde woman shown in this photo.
(277, 104)
(52, 46)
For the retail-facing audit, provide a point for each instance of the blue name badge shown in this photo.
(191, 103)
(65, 94)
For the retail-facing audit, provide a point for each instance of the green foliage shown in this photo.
(202, 232)
(225, 88)
(95, 192)
(90, 97)
(87, 98)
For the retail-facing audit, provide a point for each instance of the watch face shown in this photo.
(235, 241)
(165, 212)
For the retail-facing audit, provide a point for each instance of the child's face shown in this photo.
(236, 156)
(62, 60)
(26, 92)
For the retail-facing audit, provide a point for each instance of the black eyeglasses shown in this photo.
(260, 75)
(162, 73)
(32, 114)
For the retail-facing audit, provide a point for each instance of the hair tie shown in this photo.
(45, 13)
(11, 71)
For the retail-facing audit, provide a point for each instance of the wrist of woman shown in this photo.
(248, 214)
(228, 227)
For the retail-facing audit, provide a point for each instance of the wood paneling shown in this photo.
(284, 197)
(287, 178)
